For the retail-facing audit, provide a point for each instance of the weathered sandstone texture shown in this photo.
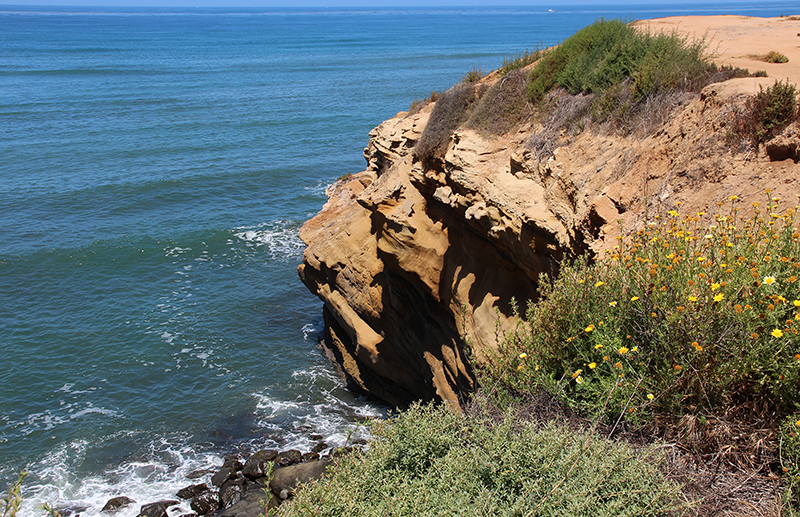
(418, 266)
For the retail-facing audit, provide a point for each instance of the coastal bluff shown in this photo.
(420, 263)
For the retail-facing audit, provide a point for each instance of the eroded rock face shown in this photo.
(420, 266)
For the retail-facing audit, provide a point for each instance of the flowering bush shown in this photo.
(694, 314)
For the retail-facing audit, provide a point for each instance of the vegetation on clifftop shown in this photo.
(608, 74)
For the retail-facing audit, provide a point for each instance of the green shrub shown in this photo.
(775, 107)
(606, 53)
(693, 315)
(774, 57)
(431, 462)
(767, 112)
(521, 60)
(473, 76)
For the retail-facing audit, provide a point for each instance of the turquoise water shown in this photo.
(155, 167)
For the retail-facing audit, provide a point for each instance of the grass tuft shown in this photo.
(521, 60)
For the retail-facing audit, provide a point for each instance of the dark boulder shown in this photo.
(231, 491)
(116, 504)
(222, 475)
(191, 491)
(232, 461)
(197, 474)
(310, 456)
(257, 465)
(157, 509)
(289, 457)
(285, 479)
(251, 505)
(205, 503)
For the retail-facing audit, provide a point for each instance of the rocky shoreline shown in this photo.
(243, 486)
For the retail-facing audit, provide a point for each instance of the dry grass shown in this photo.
(773, 56)
(565, 116)
(452, 109)
(503, 107)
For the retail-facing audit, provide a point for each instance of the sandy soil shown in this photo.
(737, 40)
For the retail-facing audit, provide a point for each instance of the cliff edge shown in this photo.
(420, 260)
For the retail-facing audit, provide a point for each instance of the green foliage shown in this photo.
(774, 56)
(606, 53)
(693, 315)
(521, 60)
(775, 107)
(770, 110)
(430, 462)
(13, 500)
(473, 76)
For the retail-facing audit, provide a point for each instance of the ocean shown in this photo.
(155, 167)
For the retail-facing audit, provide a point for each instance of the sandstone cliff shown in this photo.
(418, 265)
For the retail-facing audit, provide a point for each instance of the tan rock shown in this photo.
(420, 268)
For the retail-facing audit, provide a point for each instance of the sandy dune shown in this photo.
(737, 40)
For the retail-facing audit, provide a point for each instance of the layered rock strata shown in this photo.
(420, 267)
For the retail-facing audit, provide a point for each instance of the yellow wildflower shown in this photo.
(715, 286)
(693, 298)
(589, 328)
(719, 297)
(650, 396)
(598, 346)
(617, 365)
(577, 374)
(592, 366)
(598, 284)
(777, 333)
(697, 346)
(612, 304)
(623, 350)
(634, 298)
(523, 355)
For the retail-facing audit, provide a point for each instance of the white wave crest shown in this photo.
(280, 239)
